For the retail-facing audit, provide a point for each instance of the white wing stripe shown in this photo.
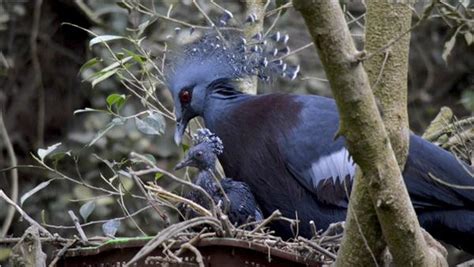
(336, 166)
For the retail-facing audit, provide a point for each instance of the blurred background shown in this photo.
(42, 84)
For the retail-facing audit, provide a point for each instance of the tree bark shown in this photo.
(388, 72)
(369, 144)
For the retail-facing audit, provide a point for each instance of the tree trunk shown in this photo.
(369, 144)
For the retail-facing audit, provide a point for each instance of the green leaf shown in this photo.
(150, 157)
(158, 175)
(91, 62)
(117, 64)
(153, 124)
(35, 190)
(185, 147)
(103, 77)
(117, 100)
(110, 227)
(77, 111)
(138, 58)
(112, 124)
(42, 153)
(87, 209)
(104, 39)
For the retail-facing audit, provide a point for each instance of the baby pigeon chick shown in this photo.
(203, 155)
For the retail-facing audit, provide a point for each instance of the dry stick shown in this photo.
(213, 25)
(450, 127)
(54, 239)
(121, 203)
(156, 169)
(61, 252)
(171, 231)
(96, 222)
(192, 241)
(14, 178)
(273, 11)
(318, 248)
(273, 24)
(198, 254)
(139, 183)
(296, 50)
(78, 225)
(168, 195)
(387, 53)
(24, 214)
(275, 215)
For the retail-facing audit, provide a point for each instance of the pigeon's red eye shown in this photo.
(185, 96)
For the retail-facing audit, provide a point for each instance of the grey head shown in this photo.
(203, 154)
(214, 62)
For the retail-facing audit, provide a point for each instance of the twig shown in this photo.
(450, 127)
(278, 9)
(96, 222)
(88, 12)
(317, 247)
(14, 177)
(296, 50)
(213, 25)
(156, 169)
(387, 53)
(275, 215)
(194, 250)
(78, 225)
(168, 195)
(24, 214)
(61, 252)
(139, 183)
(121, 203)
(171, 231)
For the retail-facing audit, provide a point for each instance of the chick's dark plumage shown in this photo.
(242, 207)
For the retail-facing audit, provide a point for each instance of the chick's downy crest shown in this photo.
(203, 154)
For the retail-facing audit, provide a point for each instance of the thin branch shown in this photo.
(374, 86)
(297, 50)
(78, 226)
(318, 248)
(14, 177)
(98, 221)
(24, 214)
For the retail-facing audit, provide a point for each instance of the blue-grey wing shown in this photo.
(322, 165)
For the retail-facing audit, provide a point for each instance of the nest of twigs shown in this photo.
(322, 248)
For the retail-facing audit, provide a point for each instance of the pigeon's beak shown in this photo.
(179, 132)
(185, 163)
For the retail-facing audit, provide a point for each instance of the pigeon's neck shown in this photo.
(206, 181)
(220, 104)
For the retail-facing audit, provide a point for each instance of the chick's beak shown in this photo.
(184, 163)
